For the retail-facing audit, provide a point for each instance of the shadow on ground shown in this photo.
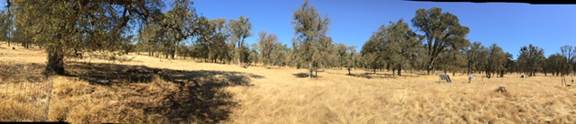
(305, 75)
(301, 75)
(16, 73)
(370, 75)
(199, 96)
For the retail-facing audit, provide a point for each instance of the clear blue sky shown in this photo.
(510, 25)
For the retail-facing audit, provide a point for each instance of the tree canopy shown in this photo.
(437, 42)
(442, 31)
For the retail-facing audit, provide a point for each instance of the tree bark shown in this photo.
(430, 65)
(311, 70)
(55, 60)
(399, 70)
(172, 54)
(349, 71)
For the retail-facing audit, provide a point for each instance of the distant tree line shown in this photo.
(438, 42)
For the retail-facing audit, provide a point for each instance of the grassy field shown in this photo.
(153, 90)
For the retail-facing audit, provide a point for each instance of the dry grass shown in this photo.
(23, 92)
(186, 91)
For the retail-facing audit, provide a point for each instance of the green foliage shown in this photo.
(556, 64)
(5, 25)
(442, 32)
(531, 59)
(239, 30)
(311, 42)
(267, 44)
(166, 31)
(395, 45)
(452, 61)
(476, 55)
(373, 51)
(272, 52)
(70, 24)
(569, 52)
(69, 27)
(497, 60)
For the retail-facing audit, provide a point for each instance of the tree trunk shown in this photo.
(399, 70)
(55, 60)
(174, 51)
(311, 70)
(239, 49)
(239, 60)
(172, 54)
(349, 71)
(430, 66)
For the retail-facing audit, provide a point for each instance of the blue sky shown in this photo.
(510, 25)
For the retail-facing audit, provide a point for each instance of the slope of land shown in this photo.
(153, 90)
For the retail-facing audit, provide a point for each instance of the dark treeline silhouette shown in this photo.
(438, 42)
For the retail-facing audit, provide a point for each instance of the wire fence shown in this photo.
(25, 93)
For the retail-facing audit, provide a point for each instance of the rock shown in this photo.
(103, 81)
(501, 89)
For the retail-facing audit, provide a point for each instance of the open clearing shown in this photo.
(154, 90)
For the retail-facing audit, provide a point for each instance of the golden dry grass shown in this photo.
(187, 91)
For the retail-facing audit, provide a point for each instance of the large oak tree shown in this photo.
(442, 31)
(311, 41)
(60, 24)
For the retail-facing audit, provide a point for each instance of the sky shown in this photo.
(510, 25)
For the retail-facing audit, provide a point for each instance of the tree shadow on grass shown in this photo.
(105, 74)
(16, 73)
(362, 75)
(301, 75)
(305, 75)
(199, 98)
(379, 75)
